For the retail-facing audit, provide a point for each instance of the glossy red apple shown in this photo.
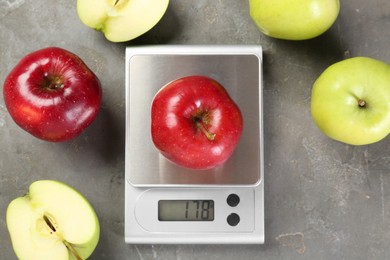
(52, 94)
(195, 123)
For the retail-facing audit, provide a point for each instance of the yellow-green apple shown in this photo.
(121, 20)
(294, 19)
(52, 221)
(350, 101)
(52, 94)
(195, 123)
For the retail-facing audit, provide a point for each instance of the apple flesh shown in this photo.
(121, 20)
(53, 221)
(351, 101)
(294, 19)
(195, 123)
(52, 94)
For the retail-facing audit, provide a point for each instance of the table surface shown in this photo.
(323, 199)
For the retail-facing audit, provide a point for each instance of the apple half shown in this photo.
(121, 20)
(52, 221)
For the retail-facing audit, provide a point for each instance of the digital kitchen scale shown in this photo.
(169, 204)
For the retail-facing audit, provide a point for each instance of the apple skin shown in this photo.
(52, 221)
(350, 101)
(52, 94)
(195, 123)
(294, 19)
(121, 20)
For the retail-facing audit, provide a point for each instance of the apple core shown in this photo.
(51, 226)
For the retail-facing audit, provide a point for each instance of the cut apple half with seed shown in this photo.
(121, 20)
(52, 221)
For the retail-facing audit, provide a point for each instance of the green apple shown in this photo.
(350, 101)
(52, 221)
(121, 20)
(294, 19)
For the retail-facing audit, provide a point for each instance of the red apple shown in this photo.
(195, 123)
(52, 94)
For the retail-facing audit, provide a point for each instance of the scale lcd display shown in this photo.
(186, 210)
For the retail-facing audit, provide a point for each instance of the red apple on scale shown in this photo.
(52, 94)
(195, 123)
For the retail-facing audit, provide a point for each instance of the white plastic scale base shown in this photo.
(168, 204)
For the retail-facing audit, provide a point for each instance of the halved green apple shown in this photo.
(121, 20)
(52, 221)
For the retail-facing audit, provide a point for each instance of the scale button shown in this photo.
(233, 200)
(233, 219)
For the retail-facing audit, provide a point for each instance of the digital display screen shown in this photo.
(186, 210)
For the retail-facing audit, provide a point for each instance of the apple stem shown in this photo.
(361, 103)
(52, 82)
(72, 250)
(200, 126)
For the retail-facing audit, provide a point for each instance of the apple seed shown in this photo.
(119, 3)
(49, 221)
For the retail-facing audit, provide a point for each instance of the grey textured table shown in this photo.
(323, 199)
